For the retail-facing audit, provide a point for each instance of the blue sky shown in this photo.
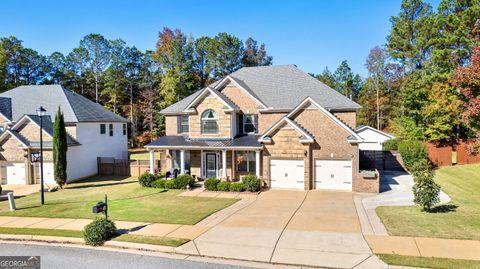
(310, 34)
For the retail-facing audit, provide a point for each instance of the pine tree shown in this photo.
(60, 149)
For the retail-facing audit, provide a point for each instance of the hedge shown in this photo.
(412, 151)
(211, 184)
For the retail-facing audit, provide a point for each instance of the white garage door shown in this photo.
(288, 174)
(333, 174)
(48, 176)
(16, 173)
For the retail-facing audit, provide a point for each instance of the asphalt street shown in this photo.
(53, 257)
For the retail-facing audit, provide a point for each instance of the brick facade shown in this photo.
(238, 96)
(349, 118)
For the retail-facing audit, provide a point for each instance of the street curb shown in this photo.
(137, 248)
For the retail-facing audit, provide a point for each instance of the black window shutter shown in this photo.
(179, 124)
(240, 123)
(255, 118)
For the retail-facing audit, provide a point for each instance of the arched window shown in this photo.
(209, 122)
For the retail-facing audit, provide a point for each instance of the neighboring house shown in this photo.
(93, 131)
(277, 122)
(373, 138)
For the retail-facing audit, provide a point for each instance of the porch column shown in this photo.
(182, 161)
(257, 163)
(224, 163)
(152, 161)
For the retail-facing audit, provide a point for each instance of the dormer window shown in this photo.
(249, 124)
(209, 122)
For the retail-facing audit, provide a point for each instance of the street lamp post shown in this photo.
(41, 112)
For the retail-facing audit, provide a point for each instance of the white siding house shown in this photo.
(93, 130)
(373, 138)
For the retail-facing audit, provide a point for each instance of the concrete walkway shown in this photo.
(425, 247)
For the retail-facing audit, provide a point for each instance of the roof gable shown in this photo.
(229, 105)
(242, 86)
(363, 128)
(310, 103)
(305, 137)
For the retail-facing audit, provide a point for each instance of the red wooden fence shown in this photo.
(439, 155)
(464, 156)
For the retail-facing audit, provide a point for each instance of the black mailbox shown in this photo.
(99, 208)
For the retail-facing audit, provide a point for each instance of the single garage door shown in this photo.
(15, 173)
(333, 174)
(288, 174)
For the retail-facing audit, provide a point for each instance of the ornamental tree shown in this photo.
(59, 149)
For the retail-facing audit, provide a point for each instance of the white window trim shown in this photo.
(253, 122)
(188, 124)
(248, 161)
(209, 119)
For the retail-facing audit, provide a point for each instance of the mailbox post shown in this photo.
(101, 207)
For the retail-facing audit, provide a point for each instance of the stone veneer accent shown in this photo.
(171, 125)
(285, 145)
(224, 123)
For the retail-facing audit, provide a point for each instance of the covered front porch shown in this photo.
(223, 159)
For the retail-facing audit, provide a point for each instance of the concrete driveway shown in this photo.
(316, 228)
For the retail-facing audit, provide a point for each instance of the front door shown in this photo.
(210, 165)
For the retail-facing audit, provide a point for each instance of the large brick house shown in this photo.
(277, 122)
(93, 131)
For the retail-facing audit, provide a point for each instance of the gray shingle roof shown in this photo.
(6, 107)
(280, 87)
(285, 86)
(47, 125)
(76, 108)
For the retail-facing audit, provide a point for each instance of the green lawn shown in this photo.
(152, 240)
(459, 219)
(127, 201)
(427, 262)
(142, 155)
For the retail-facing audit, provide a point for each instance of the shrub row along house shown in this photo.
(276, 122)
(93, 131)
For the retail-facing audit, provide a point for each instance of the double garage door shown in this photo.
(328, 174)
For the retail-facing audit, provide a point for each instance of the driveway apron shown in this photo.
(316, 228)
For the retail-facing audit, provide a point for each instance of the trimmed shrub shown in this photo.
(182, 181)
(251, 183)
(412, 151)
(146, 179)
(237, 186)
(99, 231)
(158, 183)
(224, 186)
(211, 184)
(391, 144)
(169, 184)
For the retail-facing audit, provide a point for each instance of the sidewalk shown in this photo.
(138, 228)
(425, 247)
